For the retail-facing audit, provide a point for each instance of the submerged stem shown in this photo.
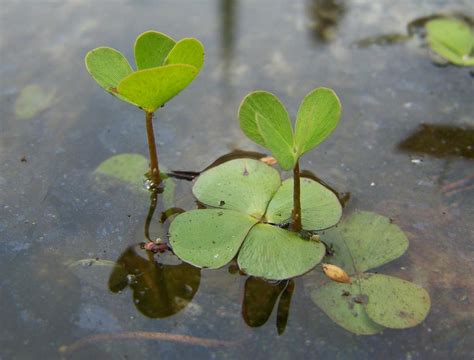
(154, 169)
(151, 212)
(296, 213)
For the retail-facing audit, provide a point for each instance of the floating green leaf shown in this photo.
(32, 100)
(393, 302)
(243, 185)
(151, 49)
(242, 189)
(108, 67)
(365, 241)
(317, 117)
(372, 301)
(452, 39)
(277, 254)
(187, 51)
(209, 238)
(338, 301)
(320, 207)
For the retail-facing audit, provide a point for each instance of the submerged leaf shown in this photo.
(128, 168)
(151, 88)
(365, 241)
(277, 254)
(151, 49)
(393, 302)
(210, 237)
(343, 303)
(452, 39)
(33, 100)
(187, 51)
(270, 107)
(108, 67)
(320, 207)
(317, 117)
(244, 185)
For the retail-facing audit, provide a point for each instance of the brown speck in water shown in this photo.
(23, 159)
(245, 173)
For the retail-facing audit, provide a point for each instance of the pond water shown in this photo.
(404, 148)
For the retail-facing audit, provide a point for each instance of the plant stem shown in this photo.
(151, 212)
(296, 213)
(154, 169)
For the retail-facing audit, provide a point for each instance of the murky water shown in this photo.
(404, 149)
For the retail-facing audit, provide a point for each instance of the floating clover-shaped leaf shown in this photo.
(242, 192)
(164, 68)
(452, 39)
(264, 119)
(373, 301)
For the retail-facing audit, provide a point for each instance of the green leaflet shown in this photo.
(317, 117)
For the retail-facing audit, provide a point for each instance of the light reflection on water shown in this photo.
(52, 212)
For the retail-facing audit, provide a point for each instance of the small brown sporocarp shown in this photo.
(335, 273)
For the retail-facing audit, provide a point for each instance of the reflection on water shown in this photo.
(260, 298)
(159, 290)
(326, 15)
(440, 141)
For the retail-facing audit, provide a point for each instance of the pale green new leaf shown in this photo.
(277, 142)
(452, 39)
(244, 185)
(210, 237)
(338, 302)
(317, 117)
(188, 51)
(108, 67)
(393, 302)
(151, 49)
(365, 241)
(151, 88)
(277, 254)
(320, 207)
(268, 106)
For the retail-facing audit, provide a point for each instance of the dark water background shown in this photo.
(404, 149)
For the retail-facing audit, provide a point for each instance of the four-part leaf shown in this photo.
(264, 119)
(373, 301)
(243, 191)
(164, 68)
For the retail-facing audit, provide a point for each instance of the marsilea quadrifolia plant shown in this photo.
(248, 204)
(164, 68)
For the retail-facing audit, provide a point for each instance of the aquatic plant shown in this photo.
(371, 302)
(164, 68)
(248, 208)
(452, 39)
(264, 119)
